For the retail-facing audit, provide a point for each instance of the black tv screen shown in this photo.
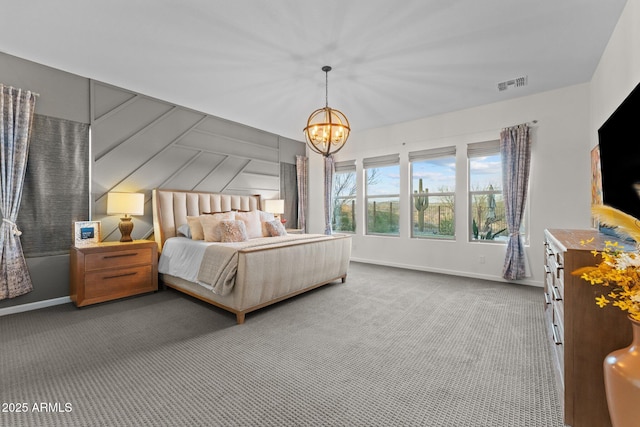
(619, 141)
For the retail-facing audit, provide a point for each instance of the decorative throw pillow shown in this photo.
(184, 230)
(210, 225)
(195, 227)
(232, 231)
(252, 223)
(264, 218)
(275, 228)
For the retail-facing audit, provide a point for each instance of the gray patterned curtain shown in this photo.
(329, 169)
(515, 149)
(289, 192)
(17, 107)
(302, 166)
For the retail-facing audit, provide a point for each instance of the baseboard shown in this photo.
(33, 306)
(450, 272)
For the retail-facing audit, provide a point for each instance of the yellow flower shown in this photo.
(601, 301)
(619, 269)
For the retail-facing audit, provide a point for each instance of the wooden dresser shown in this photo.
(112, 270)
(581, 333)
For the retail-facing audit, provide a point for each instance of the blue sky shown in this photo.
(440, 175)
(485, 171)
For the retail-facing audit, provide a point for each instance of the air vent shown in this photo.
(517, 82)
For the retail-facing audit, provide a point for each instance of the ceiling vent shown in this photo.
(509, 84)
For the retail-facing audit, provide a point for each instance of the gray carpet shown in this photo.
(390, 347)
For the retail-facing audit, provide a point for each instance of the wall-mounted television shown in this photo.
(619, 141)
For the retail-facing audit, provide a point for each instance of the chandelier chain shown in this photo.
(326, 88)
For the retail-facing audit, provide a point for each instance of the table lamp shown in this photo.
(125, 204)
(276, 207)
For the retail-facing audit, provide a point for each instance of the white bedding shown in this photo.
(182, 257)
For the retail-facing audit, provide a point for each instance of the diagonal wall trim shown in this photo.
(216, 167)
(258, 174)
(136, 134)
(140, 143)
(236, 140)
(154, 156)
(181, 169)
(248, 156)
(236, 175)
(125, 104)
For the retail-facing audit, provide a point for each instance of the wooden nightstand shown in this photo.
(112, 270)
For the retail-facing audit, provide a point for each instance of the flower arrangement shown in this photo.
(619, 269)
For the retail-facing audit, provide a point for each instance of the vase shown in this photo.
(622, 382)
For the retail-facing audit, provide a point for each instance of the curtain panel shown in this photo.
(328, 190)
(302, 170)
(515, 149)
(289, 192)
(16, 118)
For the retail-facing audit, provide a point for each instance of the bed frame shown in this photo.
(265, 275)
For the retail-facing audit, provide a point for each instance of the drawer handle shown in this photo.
(120, 255)
(558, 270)
(556, 293)
(120, 275)
(546, 299)
(556, 335)
(547, 270)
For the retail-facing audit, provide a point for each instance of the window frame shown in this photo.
(425, 156)
(342, 168)
(392, 160)
(486, 149)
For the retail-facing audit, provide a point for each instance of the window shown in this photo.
(433, 186)
(382, 194)
(344, 197)
(487, 216)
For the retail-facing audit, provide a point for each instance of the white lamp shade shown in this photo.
(125, 203)
(274, 206)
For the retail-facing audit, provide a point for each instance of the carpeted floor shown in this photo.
(390, 347)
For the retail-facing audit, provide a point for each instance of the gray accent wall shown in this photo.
(139, 143)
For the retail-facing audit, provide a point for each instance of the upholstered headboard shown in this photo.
(171, 208)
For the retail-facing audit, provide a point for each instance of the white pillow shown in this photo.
(185, 230)
(264, 218)
(210, 225)
(252, 223)
(275, 228)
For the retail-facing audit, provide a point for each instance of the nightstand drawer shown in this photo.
(113, 282)
(117, 259)
(111, 270)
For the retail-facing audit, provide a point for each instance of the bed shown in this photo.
(243, 276)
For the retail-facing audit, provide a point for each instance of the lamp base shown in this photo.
(126, 227)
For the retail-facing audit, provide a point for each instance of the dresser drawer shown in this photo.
(116, 259)
(113, 282)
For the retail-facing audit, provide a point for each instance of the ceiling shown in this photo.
(259, 62)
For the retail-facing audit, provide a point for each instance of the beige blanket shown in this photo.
(220, 262)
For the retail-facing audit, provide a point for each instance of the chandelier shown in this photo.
(327, 129)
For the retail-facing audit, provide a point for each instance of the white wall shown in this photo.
(619, 69)
(559, 182)
(568, 120)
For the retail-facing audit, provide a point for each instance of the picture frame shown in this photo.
(86, 233)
